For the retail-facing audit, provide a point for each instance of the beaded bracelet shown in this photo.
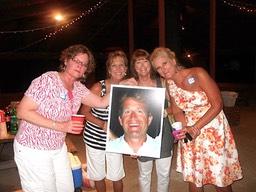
(53, 125)
(196, 131)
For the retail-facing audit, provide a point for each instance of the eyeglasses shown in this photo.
(77, 61)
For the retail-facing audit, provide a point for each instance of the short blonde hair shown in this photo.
(162, 51)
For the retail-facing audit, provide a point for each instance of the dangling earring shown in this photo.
(176, 67)
(65, 66)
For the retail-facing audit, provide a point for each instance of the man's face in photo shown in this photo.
(135, 118)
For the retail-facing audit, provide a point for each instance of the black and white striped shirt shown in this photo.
(94, 136)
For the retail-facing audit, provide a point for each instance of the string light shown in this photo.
(246, 7)
(58, 17)
(61, 28)
(29, 30)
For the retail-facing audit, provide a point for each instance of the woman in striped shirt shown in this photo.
(96, 127)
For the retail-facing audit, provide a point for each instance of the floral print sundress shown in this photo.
(212, 158)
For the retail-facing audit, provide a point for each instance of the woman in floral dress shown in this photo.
(210, 156)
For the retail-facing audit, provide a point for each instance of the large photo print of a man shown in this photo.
(135, 120)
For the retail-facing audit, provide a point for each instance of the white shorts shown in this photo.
(97, 161)
(43, 170)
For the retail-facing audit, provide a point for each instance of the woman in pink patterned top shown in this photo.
(45, 112)
(210, 157)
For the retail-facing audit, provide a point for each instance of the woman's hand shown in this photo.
(134, 156)
(182, 135)
(189, 132)
(74, 127)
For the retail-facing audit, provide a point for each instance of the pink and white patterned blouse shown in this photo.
(55, 103)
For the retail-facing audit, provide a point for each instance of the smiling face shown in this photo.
(117, 68)
(135, 118)
(164, 62)
(142, 67)
(165, 66)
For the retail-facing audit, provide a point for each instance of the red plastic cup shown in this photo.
(78, 117)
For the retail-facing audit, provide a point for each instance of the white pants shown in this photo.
(41, 170)
(163, 169)
(97, 160)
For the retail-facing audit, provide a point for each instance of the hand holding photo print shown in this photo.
(135, 120)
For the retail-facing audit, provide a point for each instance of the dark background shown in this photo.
(31, 41)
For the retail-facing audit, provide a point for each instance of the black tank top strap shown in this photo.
(158, 82)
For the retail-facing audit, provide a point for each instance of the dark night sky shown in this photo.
(26, 52)
(235, 39)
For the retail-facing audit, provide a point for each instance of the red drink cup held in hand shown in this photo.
(78, 117)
